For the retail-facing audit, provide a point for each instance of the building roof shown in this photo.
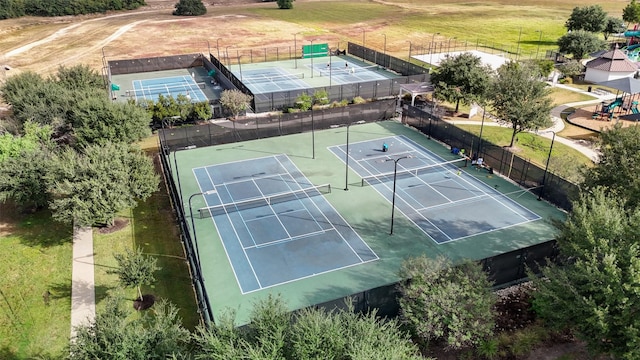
(612, 61)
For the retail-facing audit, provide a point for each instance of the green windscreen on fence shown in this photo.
(315, 50)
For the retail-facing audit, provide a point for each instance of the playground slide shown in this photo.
(634, 110)
(631, 47)
(632, 33)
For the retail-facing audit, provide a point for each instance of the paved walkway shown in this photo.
(83, 294)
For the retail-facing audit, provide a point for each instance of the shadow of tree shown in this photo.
(39, 229)
(64, 291)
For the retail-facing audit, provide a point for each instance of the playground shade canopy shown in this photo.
(627, 85)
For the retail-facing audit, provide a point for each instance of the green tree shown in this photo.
(631, 12)
(304, 101)
(440, 301)
(461, 78)
(579, 43)
(79, 77)
(23, 179)
(571, 68)
(588, 18)
(520, 99)
(135, 269)
(618, 165)
(235, 101)
(190, 8)
(89, 187)
(595, 289)
(612, 25)
(116, 335)
(285, 4)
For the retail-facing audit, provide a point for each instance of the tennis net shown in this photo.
(264, 201)
(444, 168)
(273, 78)
(347, 70)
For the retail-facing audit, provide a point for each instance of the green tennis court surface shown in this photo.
(267, 223)
(435, 194)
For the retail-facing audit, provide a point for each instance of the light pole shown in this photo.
(313, 136)
(311, 56)
(384, 47)
(193, 228)
(346, 162)
(226, 51)
(295, 51)
(546, 168)
(218, 47)
(240, 66)
(393, 197)
(410, 46)
(518, 47)
(363, 32)
(480, 141)
(175, 165)
(431, 50)
(449, 44)
(539, 41)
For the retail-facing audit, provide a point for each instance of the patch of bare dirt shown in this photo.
(118, 224)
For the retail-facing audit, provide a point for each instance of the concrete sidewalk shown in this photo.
(83, 294)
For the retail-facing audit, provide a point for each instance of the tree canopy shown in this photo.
(90, 186)
(588, 18)
(440, 301)
(612, 25)
(461, 78)
(520, 99)
(235, 101)
(135, 269)
(189, 8)
(285, 4)
(580, 43)
(595, 289)
(631, 12)
(618, 165)
(17, 8)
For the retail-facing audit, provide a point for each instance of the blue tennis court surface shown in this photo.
(444, 201)
(151, 89)
(275, 226)
(345, 72)
(270, 80)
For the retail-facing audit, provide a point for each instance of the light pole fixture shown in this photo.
(363, 32)
(226, 51)
(311, 55)
(175, 165)
(346, 161)
(546, 168)
(384, 47)
(481, 127)
(518, 47)
(218, 47)
(539, 41)
(295, 51)
(393, 197)
(431, 50)
(193, 228)
(449, 44)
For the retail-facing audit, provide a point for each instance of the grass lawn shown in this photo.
(37, 258)
(562, 96)
(565, 161)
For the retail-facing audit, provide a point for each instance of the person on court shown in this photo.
(385, 147)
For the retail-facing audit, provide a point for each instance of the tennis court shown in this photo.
(275, 225)
(445, 202)
(151, 89)
(343, 71)
(270, 80)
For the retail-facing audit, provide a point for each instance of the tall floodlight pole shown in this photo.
(518, 47)
(193, 228)
(546, 168)
(480, 141)
(313, 136)
(295, 51)
(311, 55)
(226, 51)
(218, 47)
(384, 47)
(431, 50)
(346, 170)
(240, 66)
(539, 41)
(393, 197)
